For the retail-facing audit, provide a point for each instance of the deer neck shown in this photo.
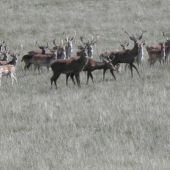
(135, 49)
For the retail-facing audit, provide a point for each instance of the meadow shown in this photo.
(120, 124)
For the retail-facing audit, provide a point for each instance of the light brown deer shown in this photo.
(9, 69)
(157, 54)
(26, 58)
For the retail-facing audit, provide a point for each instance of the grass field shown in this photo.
(122, 124)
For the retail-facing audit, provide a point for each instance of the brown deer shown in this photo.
(40, 60)
(70, 66)
(127, 56)
(95, 65)
(9, 69)
(26, 58)
(157, 54)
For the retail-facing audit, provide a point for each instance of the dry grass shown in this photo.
(122, 124)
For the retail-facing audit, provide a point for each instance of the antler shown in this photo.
(80, 47)
(132, 38)
(140, 37)
(54, 42)
(37, 44)
(165, 37)
(5, 48)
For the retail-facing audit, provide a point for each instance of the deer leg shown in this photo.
(67, 76)
(104, 71)
(111, 71)
(89, 74)
(135, 69)
(78, 79)
(13, 78)
(54, 78)
(131, 69)
(72, 78)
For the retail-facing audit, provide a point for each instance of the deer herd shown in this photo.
(60, 61)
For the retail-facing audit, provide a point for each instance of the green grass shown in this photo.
(122, 124)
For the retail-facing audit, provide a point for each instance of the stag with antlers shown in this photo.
(128, 56)
(73, 65)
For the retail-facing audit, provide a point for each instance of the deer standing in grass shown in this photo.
(127, 56)
(157, 54)
(69, 46)
(26, 58)
(90, 45)
(9, 69)
(40, 60)
(73, 65)
(95, 65)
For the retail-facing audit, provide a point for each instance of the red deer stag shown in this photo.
(73, 65)
(127, 56)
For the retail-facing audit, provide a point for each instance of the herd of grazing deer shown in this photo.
(60, 60)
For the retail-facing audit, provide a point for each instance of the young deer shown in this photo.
(73, 65)
(9, 69)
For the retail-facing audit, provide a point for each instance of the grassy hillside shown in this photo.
(122, 124)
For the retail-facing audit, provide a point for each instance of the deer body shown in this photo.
(73, 65)
(40, 60)
(95, 65)
(9, 69)
(157, 55)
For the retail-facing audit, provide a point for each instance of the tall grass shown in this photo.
(122, 124)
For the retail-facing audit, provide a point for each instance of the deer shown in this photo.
(128, 56)
(40, 60)
(95, 65)
(158, 47)
(90, 45)
(9, 68)
(157, 54)
(139, 57)
(61, 50)
(26, 58)
(69, 46)
(73, 65)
